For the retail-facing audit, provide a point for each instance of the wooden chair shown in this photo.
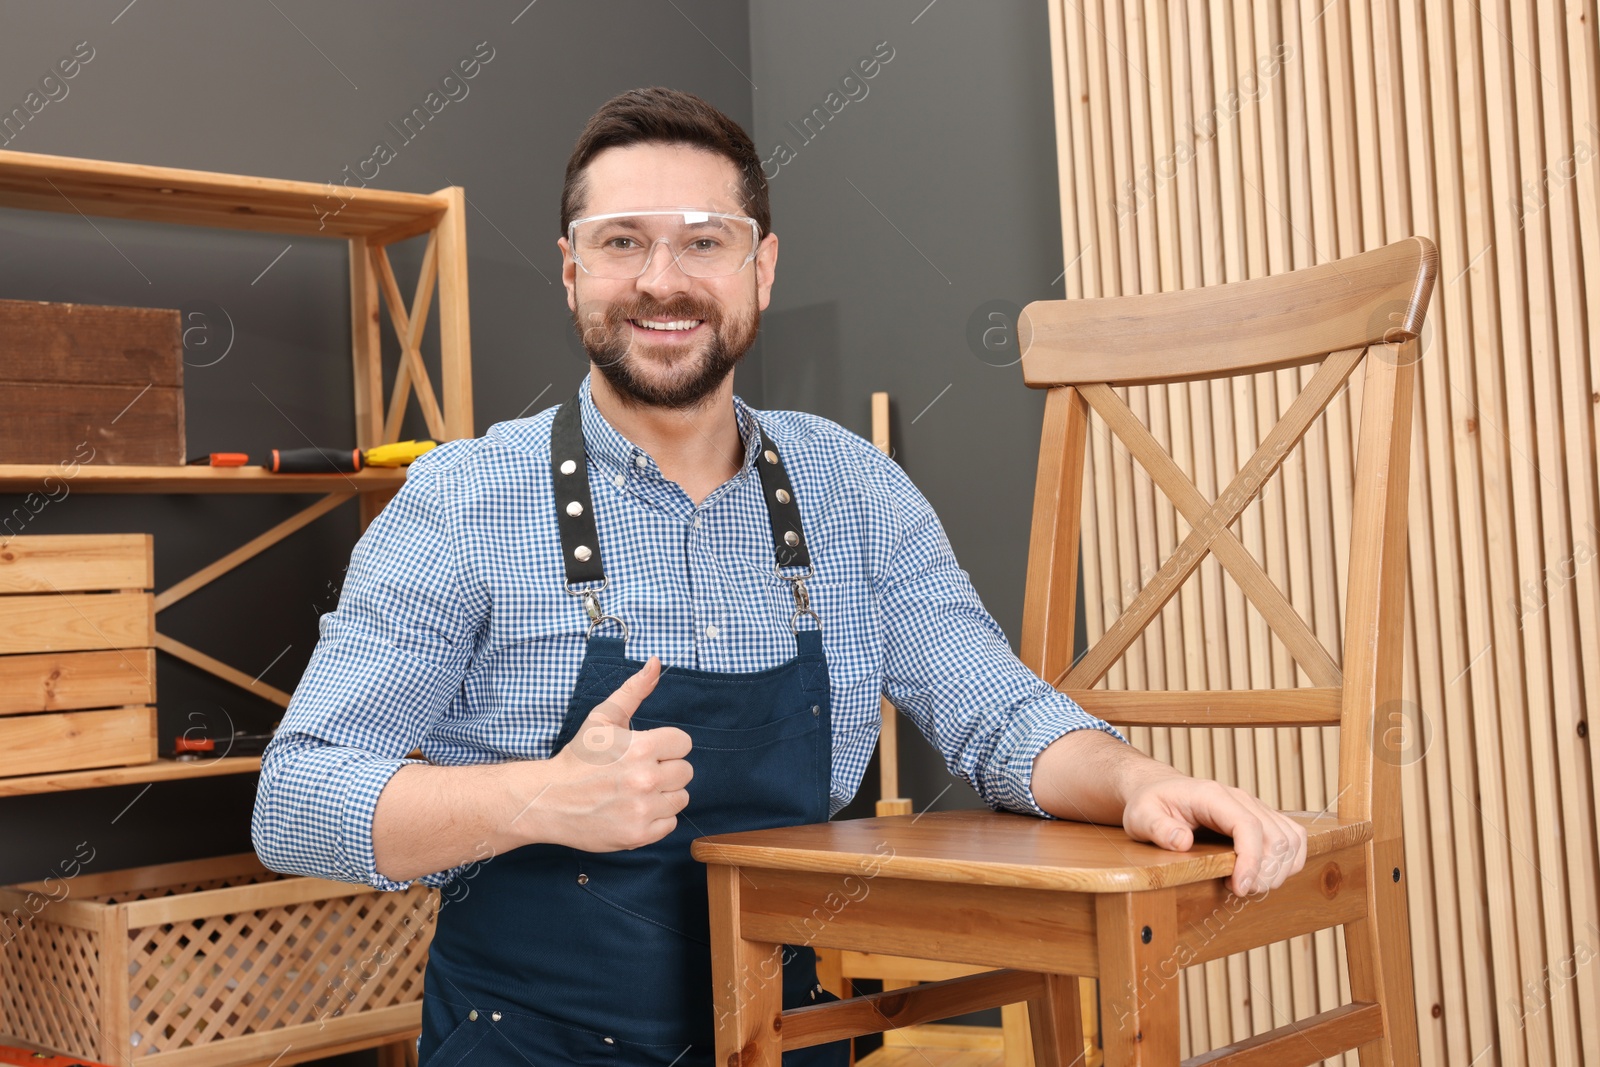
(1045, 900)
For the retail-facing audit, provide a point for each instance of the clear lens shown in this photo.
(704, 244)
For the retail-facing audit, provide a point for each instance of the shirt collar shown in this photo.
(606, 443)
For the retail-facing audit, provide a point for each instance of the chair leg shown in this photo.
(748, 993)
(1139, 971)
(1378, 950)
(1016, 1036)
(1056, 1022)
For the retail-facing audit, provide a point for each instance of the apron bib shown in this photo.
(560, 956)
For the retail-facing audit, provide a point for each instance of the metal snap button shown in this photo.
(611, 1041)
(782, 495)
(568, 466)
(473, 1015)
(770, 455)
(583, 879)
(791, 538)
(582, 552)
(575, 508)
(495, 1016)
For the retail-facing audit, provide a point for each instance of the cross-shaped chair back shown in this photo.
(1362, 314)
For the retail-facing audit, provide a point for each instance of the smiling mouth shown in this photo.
(666, 326)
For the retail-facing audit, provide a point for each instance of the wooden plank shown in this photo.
(1138, 993)
(87, 344)
(37, 478)
(1302, 1042)
(1055, 1018)
(194, 657)
(1221, 707)
(1213, 923)
(75, 740)
(1036, 930)
(160, 770)
(748, 993)
(110, 424)
(854, 964)
(254, 547)
(408, 331)
(76, 622)
(71, 563)
(986, 848)
(195, 197)
(455, 335)
(1294, 319)
(874, 1013)
(69, 681)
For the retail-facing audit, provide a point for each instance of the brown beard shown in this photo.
(610, 348)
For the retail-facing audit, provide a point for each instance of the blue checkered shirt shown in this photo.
(455, 634)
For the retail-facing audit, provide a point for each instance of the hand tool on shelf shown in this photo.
(321, 460)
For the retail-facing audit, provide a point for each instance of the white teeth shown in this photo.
(680, 324)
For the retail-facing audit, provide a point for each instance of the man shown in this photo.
(784, 570)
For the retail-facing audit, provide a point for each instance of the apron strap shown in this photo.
(580, 536)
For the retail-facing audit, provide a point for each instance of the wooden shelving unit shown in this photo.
(368, 221)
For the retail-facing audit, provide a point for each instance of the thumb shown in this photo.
(618, 708)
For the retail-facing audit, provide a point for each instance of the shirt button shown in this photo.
(618, 480)
(711, 631)
(641, 461)
(696, 521)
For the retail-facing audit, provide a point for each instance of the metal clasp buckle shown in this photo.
(802, 596)
(591, 605)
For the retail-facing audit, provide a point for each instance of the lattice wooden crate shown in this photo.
(210, 962)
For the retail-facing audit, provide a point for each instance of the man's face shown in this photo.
(680, 368)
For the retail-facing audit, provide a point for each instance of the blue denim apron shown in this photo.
(559, 956)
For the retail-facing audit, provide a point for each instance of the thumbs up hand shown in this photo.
(611, 787)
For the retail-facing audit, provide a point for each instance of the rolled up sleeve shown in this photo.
(949, 668)
(387, 664)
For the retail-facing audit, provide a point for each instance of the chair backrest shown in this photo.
(1361, 313)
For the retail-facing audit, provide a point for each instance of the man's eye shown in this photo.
(620, 244)
(706, 244)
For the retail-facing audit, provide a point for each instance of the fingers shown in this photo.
(665, 742)
(1269, 847)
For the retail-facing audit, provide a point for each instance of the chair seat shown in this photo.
(1001, 849)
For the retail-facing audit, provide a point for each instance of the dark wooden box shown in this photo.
(90, 384)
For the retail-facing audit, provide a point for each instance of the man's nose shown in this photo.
(662, 274)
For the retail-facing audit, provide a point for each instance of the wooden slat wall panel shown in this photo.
(1216, 142)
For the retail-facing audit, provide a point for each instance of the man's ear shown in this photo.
(569, 273)
(766, 265)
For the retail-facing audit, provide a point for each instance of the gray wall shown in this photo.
(916, 211)
(908, 217)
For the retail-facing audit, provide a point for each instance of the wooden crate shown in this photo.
(77, 663)
(210, 962)
(90, 384)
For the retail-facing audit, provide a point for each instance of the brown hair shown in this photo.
(665, 116)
